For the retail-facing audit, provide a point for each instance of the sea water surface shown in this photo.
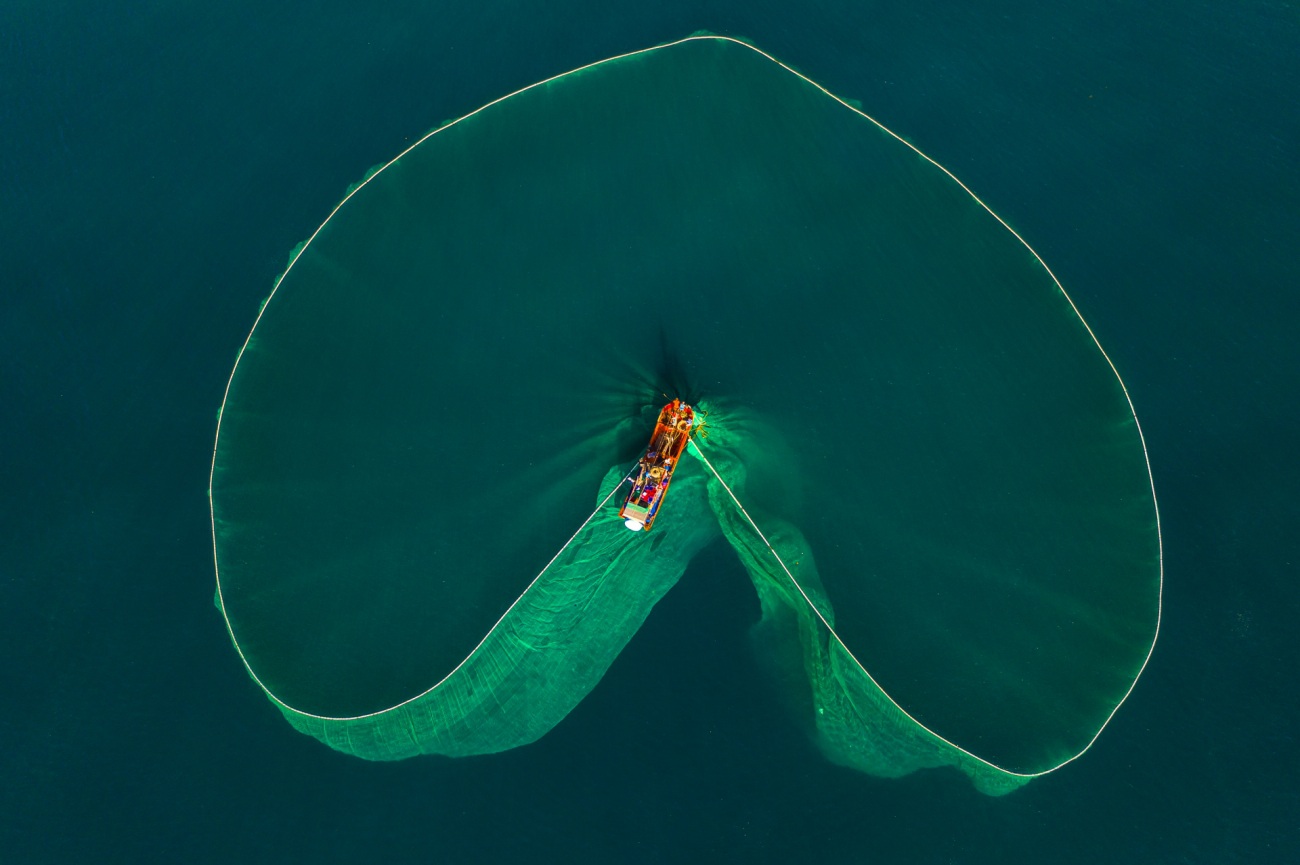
(157, 168)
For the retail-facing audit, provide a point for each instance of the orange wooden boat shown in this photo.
(655, 471)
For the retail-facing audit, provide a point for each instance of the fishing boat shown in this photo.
(655, 470)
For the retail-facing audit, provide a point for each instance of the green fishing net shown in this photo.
(928, 467)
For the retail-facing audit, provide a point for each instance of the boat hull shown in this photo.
(655, 470)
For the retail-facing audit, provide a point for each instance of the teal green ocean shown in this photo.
(895, 384)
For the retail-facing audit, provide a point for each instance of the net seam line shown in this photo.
(854, 109)
(464, 660)
(1160, 591)
(831, 628)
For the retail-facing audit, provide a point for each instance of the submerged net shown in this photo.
(551, 647)
(429, 405)
(851, 718)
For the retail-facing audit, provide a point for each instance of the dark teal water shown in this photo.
(155, 171)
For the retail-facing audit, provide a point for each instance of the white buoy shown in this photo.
(634, 524)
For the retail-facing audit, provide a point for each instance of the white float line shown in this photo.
(854, 109)
(1160, 546)
(463, 662)
(831, 629)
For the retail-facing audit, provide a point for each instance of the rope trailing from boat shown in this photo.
(629, 476)
(699, 453)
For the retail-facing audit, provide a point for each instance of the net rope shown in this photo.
(279, 702)
(695, 449)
